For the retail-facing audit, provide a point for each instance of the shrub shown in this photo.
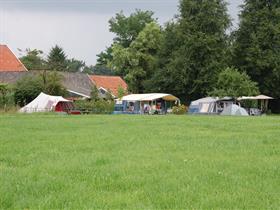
(179, 110)
(95, 107)
(233, 83)
(29, 87)
(6, 98)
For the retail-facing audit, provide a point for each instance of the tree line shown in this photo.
(196, 54)
(57, 60)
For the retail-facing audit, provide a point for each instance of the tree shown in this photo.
(195, 49)
(138, 62)
(52, 83)
(3, 94)
(127, 29)
(105, 57)
(109, 96)
(234, 84)
(162, 80)
(27, 89)
(30, 86)
(94, 94)
(98, 70)
(57, 59)
(33, 59)
(74, 65)
(121, 92)
(256, 48)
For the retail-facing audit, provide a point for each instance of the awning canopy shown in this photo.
(149, 97)
(259, 97)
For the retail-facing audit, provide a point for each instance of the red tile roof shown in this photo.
(111, 83)
(8, 61)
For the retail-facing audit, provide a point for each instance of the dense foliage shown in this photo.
(95, 106)
(257, 44)
(29, 87)
(57, 59)
(33, 59)
(6, 97)
(179, 110)
(138, 61)
(127, 29)
(232, 83)
(195, 48)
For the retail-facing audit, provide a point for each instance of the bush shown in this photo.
(6, 98)
(233, 83)
(95, 107)
(179, 110)
(29, 87)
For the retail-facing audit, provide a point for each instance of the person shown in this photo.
(147, 108)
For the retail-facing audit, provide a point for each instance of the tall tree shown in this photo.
(257, 44)
(195, 48)
(126, 30)
(57, 59)
(33, 59)
(74, 65)
(104, 57)
(138, 62)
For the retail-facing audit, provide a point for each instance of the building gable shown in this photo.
(9, 62)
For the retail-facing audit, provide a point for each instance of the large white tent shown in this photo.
(46, 103)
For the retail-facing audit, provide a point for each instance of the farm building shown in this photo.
(9, 62)
(109, 84)
(78, 85)
(152, 103)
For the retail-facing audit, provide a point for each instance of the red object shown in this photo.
(75, 112)
(111, 83)
(64, 106)
(8, 61)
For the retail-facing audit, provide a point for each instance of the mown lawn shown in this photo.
(139, 162)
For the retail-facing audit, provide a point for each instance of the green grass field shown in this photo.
(139, 162)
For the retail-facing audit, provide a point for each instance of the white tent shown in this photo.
(234, 110)
(46, 103)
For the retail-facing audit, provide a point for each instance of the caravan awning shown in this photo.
(259, 97)
(149, 97)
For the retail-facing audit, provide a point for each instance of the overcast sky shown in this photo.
(79, 26)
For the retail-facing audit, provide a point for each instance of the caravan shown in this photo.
(211, 105)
